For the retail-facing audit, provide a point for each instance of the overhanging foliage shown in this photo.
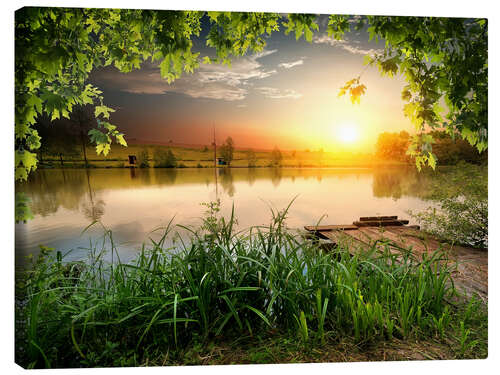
(442, 59)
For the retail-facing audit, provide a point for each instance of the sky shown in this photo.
(285, 96)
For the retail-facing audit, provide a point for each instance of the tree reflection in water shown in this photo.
(226, 180)
(398, 182)
(82, 190)
(92, 208)
(276, 175)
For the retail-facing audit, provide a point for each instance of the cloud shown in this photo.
(288, 65)
(212, 81)
(345, 45)
(264, 53)
(274, 93)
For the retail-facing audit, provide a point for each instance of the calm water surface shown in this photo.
(132, 203)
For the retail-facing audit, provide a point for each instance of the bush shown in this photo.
(143, 158)
(460, 210)
(276, 157)
(164, 159)
(252, 158)
(227, 151)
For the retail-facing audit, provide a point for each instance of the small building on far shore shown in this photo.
(132, 161)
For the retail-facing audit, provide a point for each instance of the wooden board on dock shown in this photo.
(325, 228)
(377, 218)
(379, 223)
(387, 233)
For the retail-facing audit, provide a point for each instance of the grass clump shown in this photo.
(222, 284)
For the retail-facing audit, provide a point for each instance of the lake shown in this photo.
(133, 202)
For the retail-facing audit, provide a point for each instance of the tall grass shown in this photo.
(220, 283)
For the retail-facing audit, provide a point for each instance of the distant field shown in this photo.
(196, 157)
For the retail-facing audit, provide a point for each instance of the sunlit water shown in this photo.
(132, 203)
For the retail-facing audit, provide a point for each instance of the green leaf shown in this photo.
(102, 109)
(165, 67)
(33, 140)
(121, 140)
(98, 137)
(22, 130)
(108, 126)
(308, 34)
(432, 160)
(21, 173)
(36, 102)
(26, 159)
(103, 147)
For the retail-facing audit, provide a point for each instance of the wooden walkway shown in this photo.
(387, 232)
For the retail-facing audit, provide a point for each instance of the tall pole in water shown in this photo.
(215, 150)
(215, 165)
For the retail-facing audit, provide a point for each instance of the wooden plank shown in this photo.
(373, 236)
(428, 242)
(341, 238)
(381, 223)
(361, 237)
(323, 228)
(377, 218)
(414, 227)
(377, 233)
(396, 238)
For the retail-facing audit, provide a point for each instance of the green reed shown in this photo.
(217, 283)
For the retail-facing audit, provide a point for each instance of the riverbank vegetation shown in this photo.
(66, 146)
(460, 214)
(268, 293)
(390, 150)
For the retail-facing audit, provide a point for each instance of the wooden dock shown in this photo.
(393, 234)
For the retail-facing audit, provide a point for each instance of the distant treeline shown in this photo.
(449, 151)
(66, 142)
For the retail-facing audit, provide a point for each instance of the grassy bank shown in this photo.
(268, 294)
(203, 158)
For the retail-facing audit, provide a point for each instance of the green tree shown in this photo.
(451, 150)
(227, 151)
(57, 48)
(252, 158)
(164, 159)
(143, 158)
(392, 146)
(84, 120)
(276, 157)
(442, 59)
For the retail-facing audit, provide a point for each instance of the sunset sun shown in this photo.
(347, 133)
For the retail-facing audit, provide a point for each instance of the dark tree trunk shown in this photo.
(83, 148)
(61, 159)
